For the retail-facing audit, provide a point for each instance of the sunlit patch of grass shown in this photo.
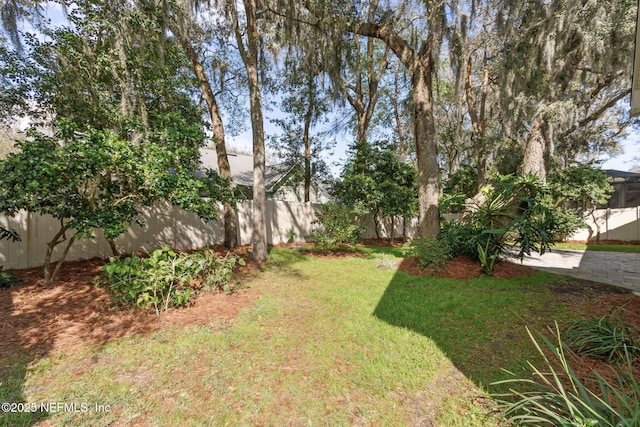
(598, 247)
(331, 342)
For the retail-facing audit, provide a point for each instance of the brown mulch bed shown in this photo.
(38, 318)
(463, 267)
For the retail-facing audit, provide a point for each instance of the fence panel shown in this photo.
(168, 225)
(164, 224)
(613, 224)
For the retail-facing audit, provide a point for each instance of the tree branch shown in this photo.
(382, 32)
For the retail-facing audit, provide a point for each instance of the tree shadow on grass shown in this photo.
(478, 323)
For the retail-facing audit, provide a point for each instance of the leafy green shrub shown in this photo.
(166, 278)
(577, 190)
(609, 337)
(8, 280)
(556, 396)
(461, 238)
(567, 222)
(338, 225)
(432, 253)
(464, 181)
(515, 210)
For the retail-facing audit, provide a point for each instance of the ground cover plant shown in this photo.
(166, 279)
(332, 339)
(610, 337)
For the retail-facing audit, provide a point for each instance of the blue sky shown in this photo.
(629, 158)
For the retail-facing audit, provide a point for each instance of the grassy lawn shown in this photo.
(330, 342)
(598, 247)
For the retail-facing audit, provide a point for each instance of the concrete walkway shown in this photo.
(615, 268)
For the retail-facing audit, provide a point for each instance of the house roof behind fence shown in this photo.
(242, 168)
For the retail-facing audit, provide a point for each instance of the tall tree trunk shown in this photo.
(428, 178)
(249, 56)
(421, 65)
(534, 150)
(229, 213)
(478, 121)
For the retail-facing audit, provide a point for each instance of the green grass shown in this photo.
(598, 247)
(330, 342)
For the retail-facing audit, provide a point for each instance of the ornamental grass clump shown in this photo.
(610, 337)
(556, 396)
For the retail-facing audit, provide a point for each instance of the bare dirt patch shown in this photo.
(38, 318)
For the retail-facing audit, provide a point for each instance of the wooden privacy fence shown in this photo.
(169, 225)
(166, 225)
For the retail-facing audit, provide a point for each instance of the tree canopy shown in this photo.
(487, 86)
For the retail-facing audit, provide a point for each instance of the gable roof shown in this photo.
(242, 168)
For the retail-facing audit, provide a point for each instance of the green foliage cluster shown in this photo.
(377, 181)
(94, 179)
(167, 279)
(515, 209)
(431, 252)
(123, 132)
(577, 191)
(337, 225)
(524, 209)
(464, 181)
(556, 396)
(7, 280)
